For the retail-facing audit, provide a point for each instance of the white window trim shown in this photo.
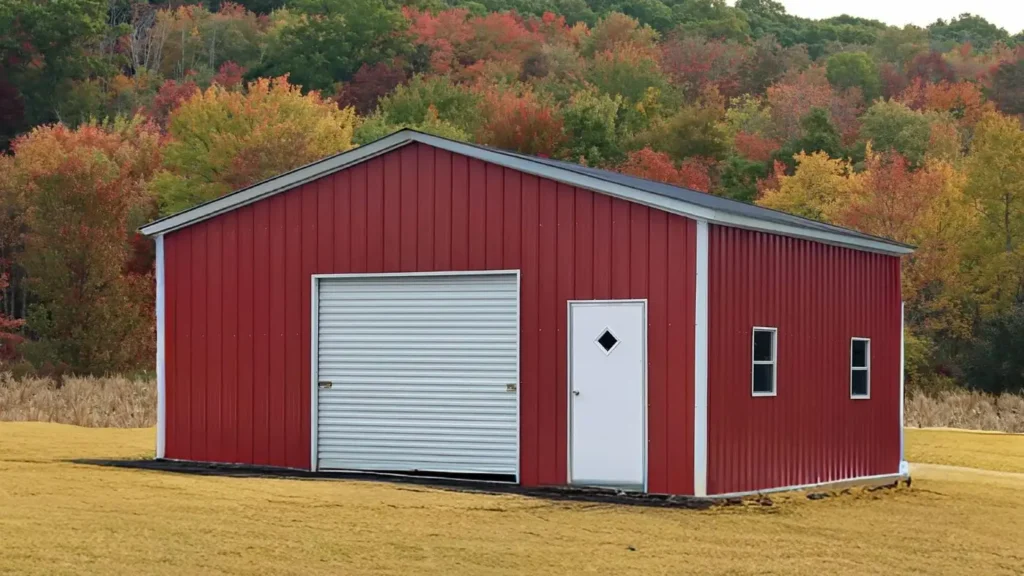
(774, 361)
(866, 368)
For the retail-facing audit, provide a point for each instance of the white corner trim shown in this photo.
(161, 344)
(314, 371)
(700, 366)
(903, 423)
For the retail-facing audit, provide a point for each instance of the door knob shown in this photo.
(575, 392)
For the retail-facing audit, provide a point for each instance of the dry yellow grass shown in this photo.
(63, 518)
(106, 402)
(985, 450)
(967, 410)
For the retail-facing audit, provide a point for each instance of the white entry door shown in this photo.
(607, 389)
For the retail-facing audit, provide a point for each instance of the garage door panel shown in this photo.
(423, 373)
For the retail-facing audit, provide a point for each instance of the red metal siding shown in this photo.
(238, 300)
(819, 297)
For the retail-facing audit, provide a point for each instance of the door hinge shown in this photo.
(510, 387)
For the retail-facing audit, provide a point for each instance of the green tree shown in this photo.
(981, 33)
(854, 70)
(591, 123)
(414, 103)
(892, 126)
(44, 46)
(817, 135)
(331, 39)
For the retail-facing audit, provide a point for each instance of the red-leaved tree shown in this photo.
(693, 173)
(9, 338)
(86, 196)
(521, 122)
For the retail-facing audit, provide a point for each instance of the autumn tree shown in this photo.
(86, 196)
(223, 140)
(1008, 87)
(519, 120)
(369, 85)
(657, 166)
(792, 99)
(696, 63)
(995, 182)
(9, 338)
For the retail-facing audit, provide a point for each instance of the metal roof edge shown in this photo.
(524, 164)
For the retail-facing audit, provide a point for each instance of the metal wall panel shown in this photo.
(418, 209)
(423, 372)
(818, 297)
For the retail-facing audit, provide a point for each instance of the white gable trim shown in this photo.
(344, 160)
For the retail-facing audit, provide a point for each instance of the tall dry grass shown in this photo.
(114, 402)
(967, 410)
(118, 402)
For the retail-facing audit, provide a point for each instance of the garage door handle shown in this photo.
(575, 392)
(325, 384)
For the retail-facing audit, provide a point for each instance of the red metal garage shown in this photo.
(423, 305)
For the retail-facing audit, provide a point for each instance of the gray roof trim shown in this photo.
(688, 203)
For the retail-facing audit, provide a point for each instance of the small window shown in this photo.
(765, 352)
(607, 341)
(860, 368)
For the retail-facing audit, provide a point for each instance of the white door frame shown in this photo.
(568, 363)
(314, 309)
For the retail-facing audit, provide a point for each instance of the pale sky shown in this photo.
(1008, 14)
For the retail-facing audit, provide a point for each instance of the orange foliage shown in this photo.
(755, 147)
(456, 39)
(963, 100)
(657, 166)
(794, 96)
(521, 122)
(442, 33)
(922, 207)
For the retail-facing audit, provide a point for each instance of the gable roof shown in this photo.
(682, 201)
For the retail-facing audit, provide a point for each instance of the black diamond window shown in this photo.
(607, 340)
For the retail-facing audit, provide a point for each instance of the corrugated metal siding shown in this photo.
(818, 296)
(412, 210)
(419, 368)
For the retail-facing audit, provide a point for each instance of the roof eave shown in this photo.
(346, 159)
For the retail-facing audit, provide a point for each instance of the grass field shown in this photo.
(57, 517)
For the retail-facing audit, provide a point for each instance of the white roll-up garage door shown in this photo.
(418, 373)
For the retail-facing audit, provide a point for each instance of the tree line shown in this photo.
(115, 112)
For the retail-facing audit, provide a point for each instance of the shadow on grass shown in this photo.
(477, 484)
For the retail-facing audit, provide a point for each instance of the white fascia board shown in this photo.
(833, 238)
(275, 185)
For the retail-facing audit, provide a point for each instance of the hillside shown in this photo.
(117, 112)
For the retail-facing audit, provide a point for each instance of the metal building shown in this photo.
(423, 305)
